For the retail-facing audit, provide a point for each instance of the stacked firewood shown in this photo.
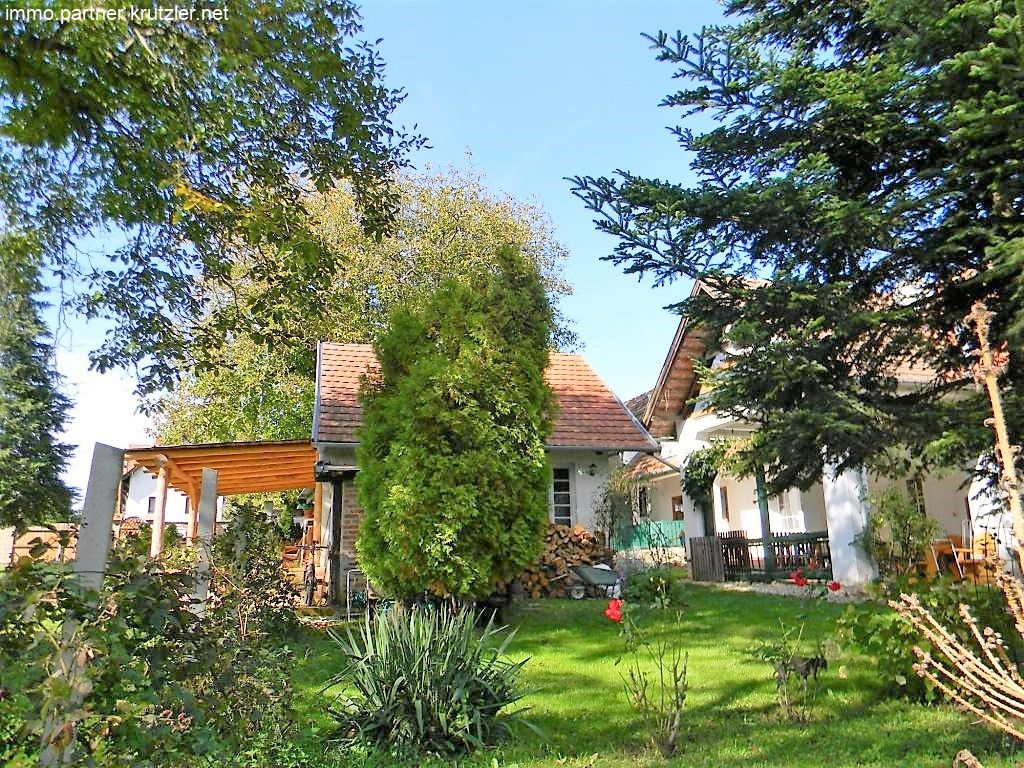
(564, 547)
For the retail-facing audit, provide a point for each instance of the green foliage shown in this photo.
(887, 640)
(189, 137)
(453, 471)
(615, 510)
(659, 587)
(447, 226)
(857, 189)
(164, 685)
(897, 534)
(699, 472)
(32, 410)
(424, 680)
(251, 573)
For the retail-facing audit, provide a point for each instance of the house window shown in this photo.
(643, 505)
(151, 509)
(561, 497)
(723, 497)
(789, 520)
(677, 507)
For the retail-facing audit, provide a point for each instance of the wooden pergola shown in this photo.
(230, 469)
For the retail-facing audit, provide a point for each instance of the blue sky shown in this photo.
(539, 91)
(535, 91)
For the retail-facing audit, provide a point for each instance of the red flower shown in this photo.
(614, 610)
(798, 578)
(834, 586)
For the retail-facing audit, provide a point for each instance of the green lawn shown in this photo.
(731, 720)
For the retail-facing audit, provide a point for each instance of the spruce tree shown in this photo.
(858, 188)
(453, 471)
(32, 410)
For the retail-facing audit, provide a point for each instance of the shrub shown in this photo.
(165, 684)
(453, 472)
(659, 587)
(897, 534)
(424, 680)
(888, 641)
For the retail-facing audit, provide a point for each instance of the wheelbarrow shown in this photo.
(599, 581)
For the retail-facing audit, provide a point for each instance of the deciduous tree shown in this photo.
(447, 226)
(139, 151)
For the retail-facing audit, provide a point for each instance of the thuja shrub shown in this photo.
(453, 471)
(425, 680)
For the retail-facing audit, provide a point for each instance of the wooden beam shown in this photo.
(156, 542)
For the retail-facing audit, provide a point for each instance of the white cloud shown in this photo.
(104, 411)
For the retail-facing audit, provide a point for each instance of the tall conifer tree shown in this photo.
(32, 410)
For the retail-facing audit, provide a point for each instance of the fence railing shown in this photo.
(734, 558)
(649, 534)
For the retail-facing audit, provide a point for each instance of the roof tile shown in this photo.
(589, 414)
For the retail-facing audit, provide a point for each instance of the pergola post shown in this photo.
(207, 526)
(93, 545)
(156, 543)
(191, 527)
(91, 553)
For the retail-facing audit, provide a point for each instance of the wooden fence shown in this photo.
(733, 557)
(706, 562)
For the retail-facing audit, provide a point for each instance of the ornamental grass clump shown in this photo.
(426, 681)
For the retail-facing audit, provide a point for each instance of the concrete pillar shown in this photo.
(96, 530)
(207, 526)
(91, 552)
(156, 542)
(846, 512)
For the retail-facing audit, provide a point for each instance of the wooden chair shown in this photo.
(977, 561)
(944, 559)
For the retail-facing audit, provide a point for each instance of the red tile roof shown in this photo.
(589, 414)
(647, 467)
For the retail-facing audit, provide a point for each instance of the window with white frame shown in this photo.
(561, 496)
(788, 519)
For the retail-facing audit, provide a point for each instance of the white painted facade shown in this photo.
(140, 499)
(588, 472)
(838, 506)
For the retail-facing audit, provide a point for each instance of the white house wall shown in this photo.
(586, 489)
(945, 498)
(660, 492)
(812, 502)
(141, 486)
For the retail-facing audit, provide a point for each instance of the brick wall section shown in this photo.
(352, 517)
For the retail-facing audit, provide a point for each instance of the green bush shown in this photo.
(888, 640)
(897, 534)
(166, 684)
(658, 587)
(425, 681)
(453, 472)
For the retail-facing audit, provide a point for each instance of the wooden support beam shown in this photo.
(156, 543)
